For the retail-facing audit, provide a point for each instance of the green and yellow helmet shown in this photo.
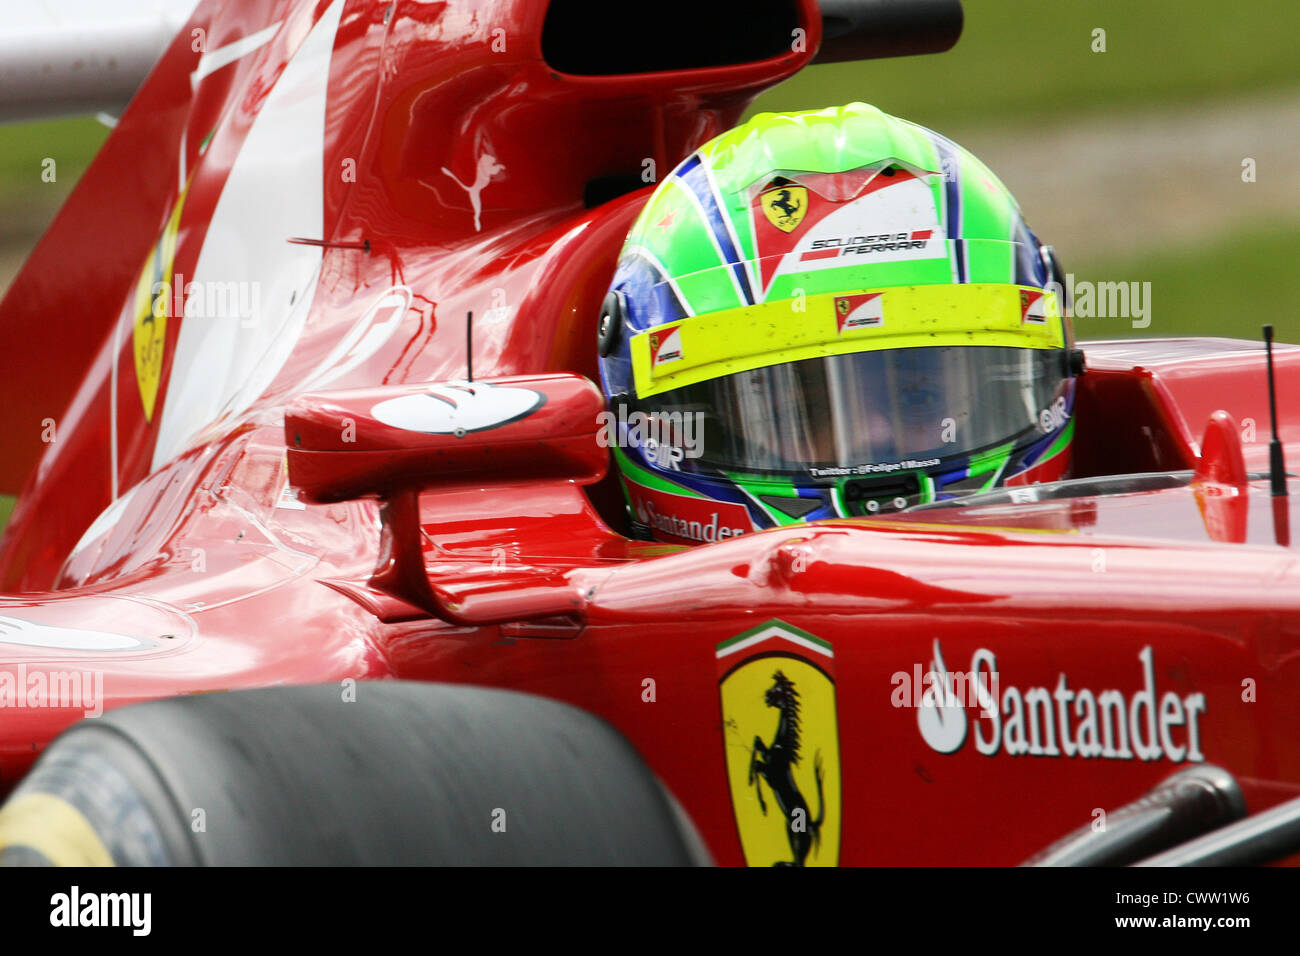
(830, 313)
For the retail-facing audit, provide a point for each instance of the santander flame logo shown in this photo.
(941, 718)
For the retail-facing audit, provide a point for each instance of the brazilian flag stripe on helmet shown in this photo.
(975, 203)
(950, 214)
(989, 258)
(684, 236)
(645, 275)
(706, 294)
(692, 175)
(984, 204)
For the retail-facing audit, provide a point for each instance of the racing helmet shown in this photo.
(826, 314)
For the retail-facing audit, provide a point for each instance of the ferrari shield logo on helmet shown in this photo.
(864, 311)
(666, 345)
(1032, 307)
(782, 745)
(785, 206)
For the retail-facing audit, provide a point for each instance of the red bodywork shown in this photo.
(230, 581)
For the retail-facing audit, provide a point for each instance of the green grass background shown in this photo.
(1018, 62)
(1033, 59)
(72, 141)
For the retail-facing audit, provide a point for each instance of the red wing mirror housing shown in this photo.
(1222, 460)
(394, 441)
(1221, 483)
(376, 441)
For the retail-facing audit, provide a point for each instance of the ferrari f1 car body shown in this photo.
(353, 207)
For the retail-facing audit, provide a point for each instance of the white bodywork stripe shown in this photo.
(228, 352)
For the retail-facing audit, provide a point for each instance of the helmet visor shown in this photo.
(869, 412)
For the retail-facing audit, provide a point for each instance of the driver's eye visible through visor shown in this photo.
(869, 412)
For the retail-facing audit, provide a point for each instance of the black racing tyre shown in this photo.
(402, 774)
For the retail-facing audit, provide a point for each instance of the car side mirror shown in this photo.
(395, 441)
(377, 441)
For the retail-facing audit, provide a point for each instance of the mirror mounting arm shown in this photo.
(394, 442)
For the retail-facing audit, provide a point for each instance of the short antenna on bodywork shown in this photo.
(1276, 466)
(469, 349)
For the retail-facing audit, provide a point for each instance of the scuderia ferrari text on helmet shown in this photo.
(854, 316)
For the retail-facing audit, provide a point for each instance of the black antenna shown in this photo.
(1276, 467)
(469, 351)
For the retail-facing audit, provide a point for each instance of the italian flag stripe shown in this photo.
(775, 629)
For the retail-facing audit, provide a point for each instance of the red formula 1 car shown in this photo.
(345, 639)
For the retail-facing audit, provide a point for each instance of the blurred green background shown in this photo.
(1129, 161)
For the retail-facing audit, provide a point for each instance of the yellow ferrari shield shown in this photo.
(782, 745)
(785, 206)
(154, 301)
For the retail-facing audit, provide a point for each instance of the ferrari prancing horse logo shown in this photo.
(785, 206)
(782, 746)
(152, 304)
